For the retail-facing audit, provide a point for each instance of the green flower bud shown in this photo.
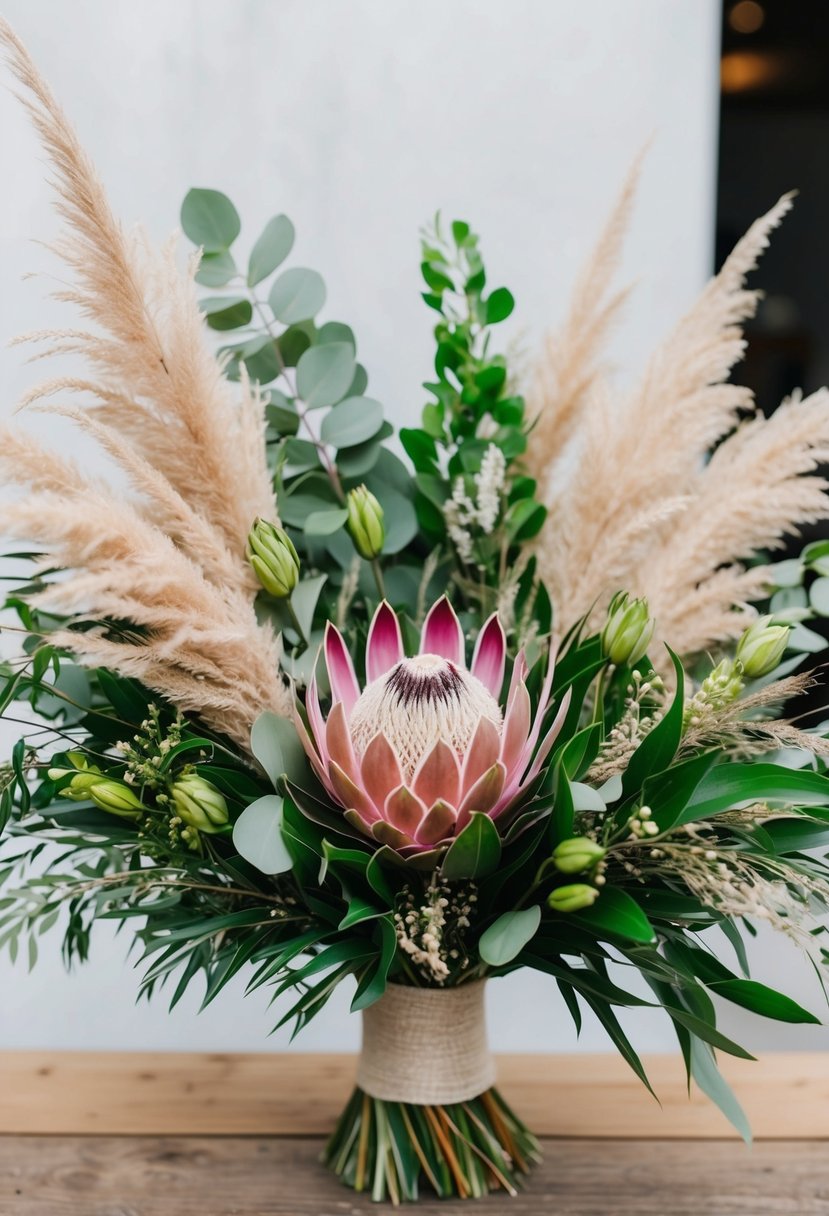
(199, 803)
(572, 898)
(365, 523)
(628, 630)
(112, 796)
(577, 855)
(761, 647)
(273, 558)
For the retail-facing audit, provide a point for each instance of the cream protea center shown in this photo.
(429, 740)
(418, 702)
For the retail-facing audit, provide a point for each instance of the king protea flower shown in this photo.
(428, 740)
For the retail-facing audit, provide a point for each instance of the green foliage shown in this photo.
(325, 436)
(473, 410)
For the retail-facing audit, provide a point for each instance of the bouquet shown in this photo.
(319, 703)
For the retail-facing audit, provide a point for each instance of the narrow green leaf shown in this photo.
(708, 1077)
(618, 913)
(728, 785)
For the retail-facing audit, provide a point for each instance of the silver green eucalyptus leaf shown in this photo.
(271, 249)
(257, 836)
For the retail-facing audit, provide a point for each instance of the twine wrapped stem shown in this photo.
(426, 1046)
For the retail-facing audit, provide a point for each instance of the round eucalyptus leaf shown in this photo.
(788, 573)
(271, 249)
(351, 422)
(275, 744)
(324, 373)
(297, 295)
(257, 836)
(209, 219)
(336, 331)
(819, 596)
(400, 519)
(358, 460)
(215, 269)
(509, 934)
(359, 384)
(323, 523)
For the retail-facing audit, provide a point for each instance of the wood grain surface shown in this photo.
(786, 1095)
(109, 1176)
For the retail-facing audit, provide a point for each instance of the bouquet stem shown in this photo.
(461, 1150)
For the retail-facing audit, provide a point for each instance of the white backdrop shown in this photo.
(359, 119)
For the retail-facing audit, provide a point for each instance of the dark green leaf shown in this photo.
(475, 852)
(617, 913)
(499, 305)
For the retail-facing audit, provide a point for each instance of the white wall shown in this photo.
(359, 119)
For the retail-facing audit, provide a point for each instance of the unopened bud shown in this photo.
(628, 630)
(761, 647)
(572, 898)
(108, 795)
(365, 523)
(199, 803)
(577, 855)
(273, 558)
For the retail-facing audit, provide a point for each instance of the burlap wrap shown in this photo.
(426, 1045)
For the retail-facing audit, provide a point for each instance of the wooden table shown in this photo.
(253, 1176)
(174, 1135)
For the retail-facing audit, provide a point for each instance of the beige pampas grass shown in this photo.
(635, 503)
(171, 561)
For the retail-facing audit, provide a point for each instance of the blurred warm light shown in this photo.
(741, 71)
(746, 17)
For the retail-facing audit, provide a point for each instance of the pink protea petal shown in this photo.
(543, 702)
(404, 810)
(344, 686)
(549, 739)
(438, 823)
(380, 770)
(384, 646)
(520, 670)
(310, 749)
(490, 655)
(442, 633)
(516, 784)
(338, 742)
(385, 833)
(315, 718)
(350, 795)
(482, 754)
(356, 820)
(484, 794)
(438, 775)
(516, 728)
